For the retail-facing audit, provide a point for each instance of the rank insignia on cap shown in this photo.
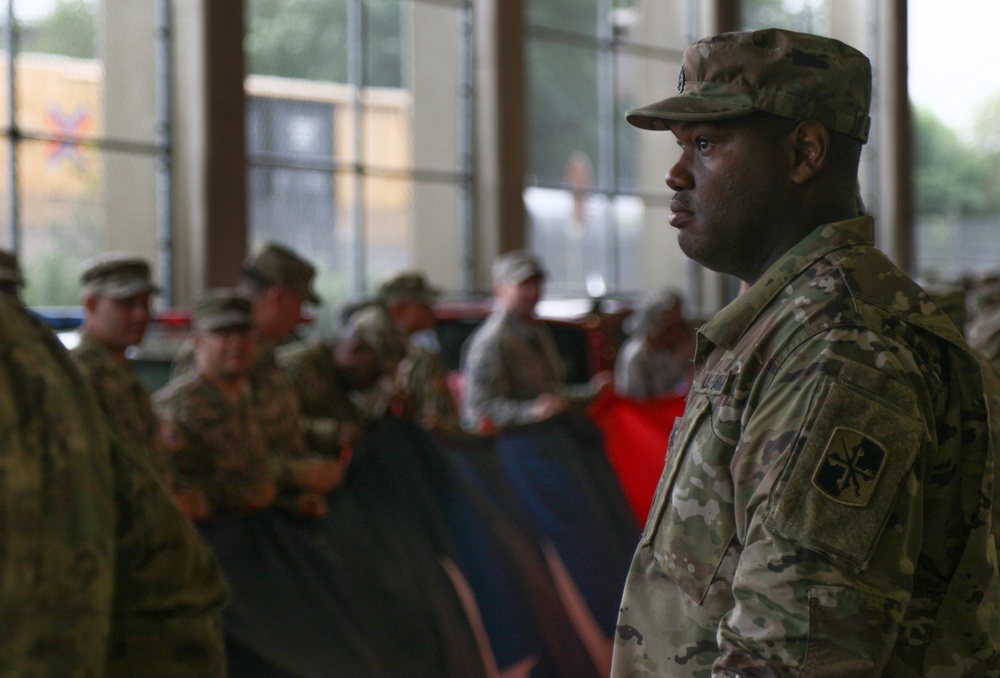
(680, 80)
(850, 467)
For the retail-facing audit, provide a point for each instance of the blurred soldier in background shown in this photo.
(657, 359)
(404, 314)
(326, 376)
(116, 290)
(219, 460)
(512, 368)
(278, 282)
(103, 576)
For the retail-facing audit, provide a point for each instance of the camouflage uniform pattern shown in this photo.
(276, 405)
(388, 341)
(101, 575)
(424, 377)
(827, 503)
(645, 372)
(326, 404)
(215, 446)
(123, 398)
(507, 364)
(775, 71)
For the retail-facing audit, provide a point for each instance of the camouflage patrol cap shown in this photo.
(407, 286)
(274, 264)
(116, 275)
(221, 308)
(516, 267)
(793, 75)
(10, 269)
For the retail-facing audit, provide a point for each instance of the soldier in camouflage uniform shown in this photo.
(394, 326)
(326, 378)
(218, 457)
(116, 290)
(278, 283)
(655, 361)
(827, 504)
(512, 368)
(102, 575)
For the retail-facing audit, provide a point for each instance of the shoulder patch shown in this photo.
(850, 467)
(852, 457)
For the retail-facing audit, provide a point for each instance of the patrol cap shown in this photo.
(793, 75)
(649, 317)
(10, 269)
(407, 286)
(116, 275)
(221, 308)
(274, 264)
(516, 267)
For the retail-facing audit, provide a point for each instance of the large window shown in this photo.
(957, 141)
(589, 62)
(357, 115)
(82, 137)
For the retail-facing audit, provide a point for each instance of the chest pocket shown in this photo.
(691, 526)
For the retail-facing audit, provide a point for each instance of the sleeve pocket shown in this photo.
(837, 492)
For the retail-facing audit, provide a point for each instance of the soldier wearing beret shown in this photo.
(827, 506)
(102, 575)
(513, 370)
(116, 290)
(219, 461)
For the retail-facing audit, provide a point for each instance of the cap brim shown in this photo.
(126, 291)
(224, 321)
(658, 116)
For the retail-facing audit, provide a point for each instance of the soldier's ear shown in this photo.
(90, 303)
(812, 148)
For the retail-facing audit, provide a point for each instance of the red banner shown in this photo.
(636, 435)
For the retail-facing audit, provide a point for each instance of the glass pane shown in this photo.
(59, 77)
(76, 205)
(570, 15)
(643, 156)
(439, 235)
(383, 43)
(563, 108)
(306, 39)
(660, 25)
(806, 16)
(288, 126)
(578, 239)
(4, 72)
(386, 128)
(130, 58)
(956, 154)
(65, 27)
(294, 206)
(388, 233)
(434, 87)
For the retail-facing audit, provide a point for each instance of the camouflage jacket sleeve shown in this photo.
(424, 376)
(56, 510)
(824, 463)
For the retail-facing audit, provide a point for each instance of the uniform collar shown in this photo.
(732, 322)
